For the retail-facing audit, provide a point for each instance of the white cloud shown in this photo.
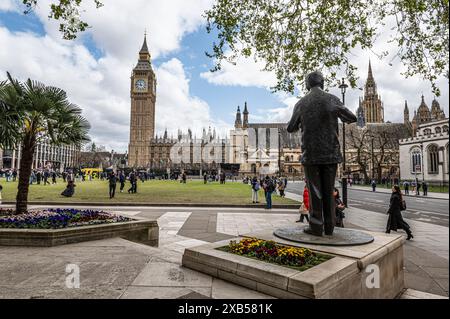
(246, 72)
(9, 5)
(118, 27)
(176, 108)
(101, 86)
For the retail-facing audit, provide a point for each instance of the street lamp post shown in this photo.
(279, 152)
(343, 86)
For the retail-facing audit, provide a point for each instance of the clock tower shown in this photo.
(143, 98)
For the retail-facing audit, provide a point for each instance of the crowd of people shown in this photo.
(414, 186)
(269, 185)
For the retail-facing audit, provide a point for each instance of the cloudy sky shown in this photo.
(95, 69)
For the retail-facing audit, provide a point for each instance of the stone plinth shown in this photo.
(340, 237)
(139, 230)
(343, 276)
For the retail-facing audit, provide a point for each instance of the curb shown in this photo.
(134, 204)
(368, 190)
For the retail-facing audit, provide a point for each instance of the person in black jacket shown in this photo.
(112, 185)
(340, 215)
(395, 220)
(70, 189)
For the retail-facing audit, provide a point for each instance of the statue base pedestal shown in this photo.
(371, 271)
(340, 237)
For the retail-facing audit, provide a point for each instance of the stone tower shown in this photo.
(371, 104)
(406, 114)
(143, 98)
(423, 113)
(238, 121)
(436, 112)
(245, 124)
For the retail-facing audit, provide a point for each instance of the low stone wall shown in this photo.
(139, 230)
(344, 276)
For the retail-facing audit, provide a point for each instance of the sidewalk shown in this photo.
(426, 256)
(117, 268)
(389, 191)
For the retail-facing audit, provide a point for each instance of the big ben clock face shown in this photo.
(140, 85)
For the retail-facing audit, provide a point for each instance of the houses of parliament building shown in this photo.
(263, 148)
(149, 151)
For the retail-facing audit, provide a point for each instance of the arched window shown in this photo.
(445, 128)
(427, 131)
(433, 159)
(438, 130)
(286, 159)
(292, 158)
(416, 160)
(290, 169)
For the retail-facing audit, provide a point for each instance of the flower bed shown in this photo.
(57, 218)
(269, 251)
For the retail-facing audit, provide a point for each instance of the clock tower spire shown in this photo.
(143, 99)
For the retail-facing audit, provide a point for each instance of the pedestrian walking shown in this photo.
(38, 177)
(122, 181)
(255, 189)
(14, 175)
(112, 185)
(418, 188)
(32, 177)
(269, 188)
(46, 176)
(425, 188)
(340, 206)
(304, 208)
(53, 177)
(395, 220)
(205, 178)
(281, 188)
(133, 182)
(406, 187)
(374, 185)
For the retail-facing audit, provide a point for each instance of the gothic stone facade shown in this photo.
(426, 155)
(264, 148)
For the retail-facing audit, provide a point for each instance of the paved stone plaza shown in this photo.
(117, 268)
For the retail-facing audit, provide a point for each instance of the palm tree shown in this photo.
(31, 112)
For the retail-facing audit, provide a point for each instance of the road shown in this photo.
(428, 210)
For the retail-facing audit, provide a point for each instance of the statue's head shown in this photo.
(314, 79)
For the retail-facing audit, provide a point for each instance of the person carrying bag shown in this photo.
(304, 208)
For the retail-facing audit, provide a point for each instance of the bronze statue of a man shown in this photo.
(316, 115)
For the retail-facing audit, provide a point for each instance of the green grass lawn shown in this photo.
(154, 192)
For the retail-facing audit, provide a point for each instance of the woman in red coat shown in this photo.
(304, 209)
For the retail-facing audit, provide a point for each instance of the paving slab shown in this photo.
(165, 274)
(144, 292)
